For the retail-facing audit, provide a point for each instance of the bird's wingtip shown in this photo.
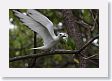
(15, 11)
(30, 10)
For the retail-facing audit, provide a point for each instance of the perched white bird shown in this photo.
(43, 26)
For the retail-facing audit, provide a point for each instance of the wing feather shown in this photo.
(35, 26)
(37, 16)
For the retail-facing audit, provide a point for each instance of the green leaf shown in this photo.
(87, 16)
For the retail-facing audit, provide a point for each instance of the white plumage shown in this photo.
(42, 25)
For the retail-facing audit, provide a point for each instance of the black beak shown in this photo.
(63, 36)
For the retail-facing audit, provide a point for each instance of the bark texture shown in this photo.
(73, 31)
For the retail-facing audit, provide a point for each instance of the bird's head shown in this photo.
(63, 36)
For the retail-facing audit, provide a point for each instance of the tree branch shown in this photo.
(44, 54)
(90, 41)
(53, 52)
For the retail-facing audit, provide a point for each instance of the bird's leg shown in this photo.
(45, 51)
(52, 50)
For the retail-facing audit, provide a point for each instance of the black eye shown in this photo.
(60, 34)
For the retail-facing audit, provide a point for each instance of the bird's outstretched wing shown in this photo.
(37, 16)
(35, 26)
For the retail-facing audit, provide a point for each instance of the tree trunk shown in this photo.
(73, 31)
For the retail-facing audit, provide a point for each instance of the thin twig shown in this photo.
(90, 56)
(33, 60)
(90, 41)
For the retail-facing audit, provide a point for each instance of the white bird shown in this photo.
(43, 26)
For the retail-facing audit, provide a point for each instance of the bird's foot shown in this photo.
(52, 50)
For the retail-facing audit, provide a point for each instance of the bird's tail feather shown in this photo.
(39, 48)
(34, 48)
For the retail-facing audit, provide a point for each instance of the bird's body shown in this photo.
(48, 46)
(43, 26)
